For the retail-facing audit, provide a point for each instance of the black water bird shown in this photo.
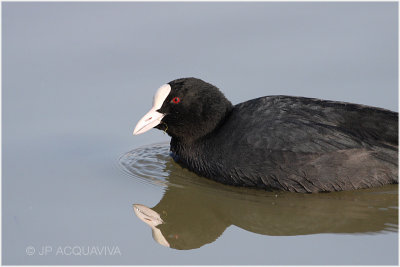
(279, 142)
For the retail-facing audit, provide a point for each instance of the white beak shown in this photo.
(150, 120)
(153, 117)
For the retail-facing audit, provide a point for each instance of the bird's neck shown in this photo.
(199, 131)
(183, 149)
(189, 154)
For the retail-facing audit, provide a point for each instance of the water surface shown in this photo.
(195, 211)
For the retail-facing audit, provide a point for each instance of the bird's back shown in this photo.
(301, 124)
(303, 145)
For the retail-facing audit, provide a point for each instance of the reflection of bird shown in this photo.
(276, 142)
(191, 214)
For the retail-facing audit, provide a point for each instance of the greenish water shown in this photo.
(195, 211)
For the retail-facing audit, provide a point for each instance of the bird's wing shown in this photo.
(283, 123)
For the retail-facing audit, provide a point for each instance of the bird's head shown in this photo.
(186, 109)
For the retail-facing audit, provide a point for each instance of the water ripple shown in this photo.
(147, 163)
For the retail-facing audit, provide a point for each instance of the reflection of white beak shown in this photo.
(153, 219)
(147, 215)
(153, 117)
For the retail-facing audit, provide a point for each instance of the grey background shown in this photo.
(78, 76)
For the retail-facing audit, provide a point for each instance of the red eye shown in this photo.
(176, 100)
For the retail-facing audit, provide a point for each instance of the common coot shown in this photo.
(279, 142)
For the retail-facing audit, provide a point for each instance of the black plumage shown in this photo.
(280, 142)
